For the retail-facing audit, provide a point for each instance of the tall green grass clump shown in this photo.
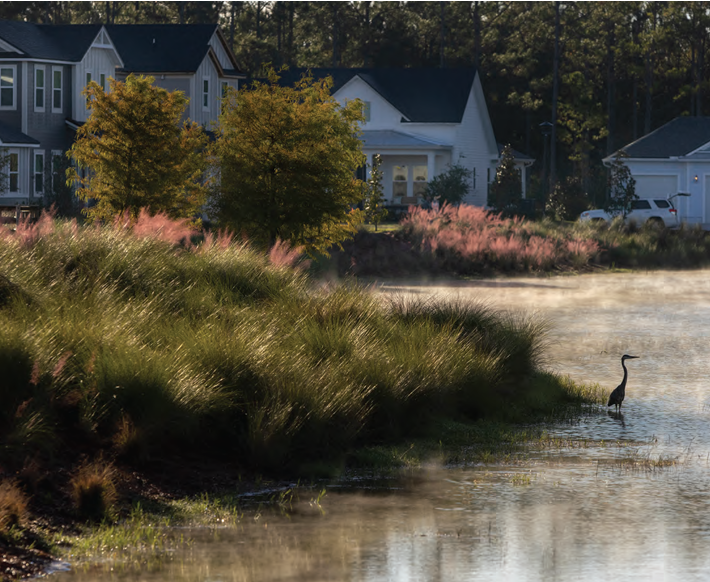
(136, 340)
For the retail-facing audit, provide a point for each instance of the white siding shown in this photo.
(472, 141)
(475, 145)
(96, 61)
(382, 114)
(206, 70)
(220, 52)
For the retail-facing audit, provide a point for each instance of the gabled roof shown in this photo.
(676, 138)
(45, 41)
(10, 136)
(163, 48)
(421, 95)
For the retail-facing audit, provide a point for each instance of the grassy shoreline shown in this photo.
(141, 363)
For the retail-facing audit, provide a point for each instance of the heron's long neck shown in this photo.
(626, 373)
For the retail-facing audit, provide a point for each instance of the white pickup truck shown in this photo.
(656, 211)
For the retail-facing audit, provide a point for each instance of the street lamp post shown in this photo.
(546, 130)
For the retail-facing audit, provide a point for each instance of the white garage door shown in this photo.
(656, 186)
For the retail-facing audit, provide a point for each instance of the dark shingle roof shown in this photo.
(169, 48)
(144, 48)
(10, 135)
(676, 138)
(57, 42)
(422, 95)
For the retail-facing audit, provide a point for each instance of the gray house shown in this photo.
(45, 68)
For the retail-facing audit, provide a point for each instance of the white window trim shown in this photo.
(205, 102)
(16, 152)
(54, 155)
(40, 108)
(60, 89)
(14, 88)
(36, 154)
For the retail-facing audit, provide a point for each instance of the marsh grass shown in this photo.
(139, 340)
(93, 491)
(13, 506)
(469, 241)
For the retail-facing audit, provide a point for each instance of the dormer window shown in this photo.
(7, 87)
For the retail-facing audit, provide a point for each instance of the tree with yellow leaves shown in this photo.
(134, 153)
(287, 158)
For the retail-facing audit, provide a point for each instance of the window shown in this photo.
(88, 80)
(420, 180)
(39, 172)
(640, 205)
(57, 82)
(39, 88)
(206, 94)
(662, 203)
(102, 81)
(7, 87)
(400, 177)
(366, 110)
(57, 169)
(225, 91)
(13, 173)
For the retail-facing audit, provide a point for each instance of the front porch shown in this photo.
(408, 163)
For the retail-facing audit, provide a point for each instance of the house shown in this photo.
(44, 69)
(420, 121)
(674, 158)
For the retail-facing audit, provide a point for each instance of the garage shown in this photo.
(656, 186)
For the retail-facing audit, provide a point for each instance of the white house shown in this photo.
(420, 121)
(674, 158)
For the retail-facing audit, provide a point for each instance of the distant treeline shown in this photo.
(605, 73)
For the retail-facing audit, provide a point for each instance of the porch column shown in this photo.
(368, 166)
(430, 166)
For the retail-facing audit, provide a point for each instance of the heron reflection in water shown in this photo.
(617, 396)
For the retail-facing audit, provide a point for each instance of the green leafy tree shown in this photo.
(375, 212)
(449, 187)
(133, 153)
(506, 191)
(568, 199)
(287, 158)
(622, 187)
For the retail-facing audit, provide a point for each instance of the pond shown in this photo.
(628, 498)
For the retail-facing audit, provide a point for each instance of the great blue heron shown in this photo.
(617, 396)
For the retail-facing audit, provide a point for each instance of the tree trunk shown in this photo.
(334, 7)
(555, 96)
(476, 35)
(611, 93)
(649, 95)
(442, 44)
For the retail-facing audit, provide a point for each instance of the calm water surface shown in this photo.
(598, 512)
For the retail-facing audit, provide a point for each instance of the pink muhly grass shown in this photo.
(61, 363)
(282, 254)
(161, 227)
(28, 232)
(222, 241)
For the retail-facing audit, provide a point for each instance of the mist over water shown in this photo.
(591, 512)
